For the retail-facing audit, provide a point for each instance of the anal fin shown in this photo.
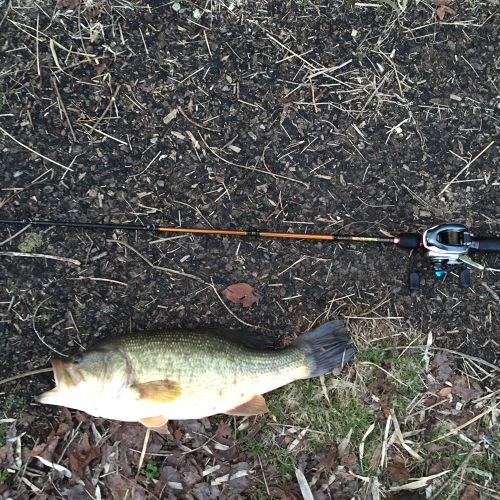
(255, 406)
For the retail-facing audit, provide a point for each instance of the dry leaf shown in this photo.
(57, 467)
(437, 467)
(280, 494)
(466, 389)
(442, 2)
(305, 489)
(418, 483)
(70, 4)
(99, 69)
(329, 460)
(397, 472)
(46, 450)
(83, 454)
(348, 460)
(121, 487)
(441, 367)
(443, 10)
(224, 431)
(470, 493)
(445, 392)
(241, 293)
(6, 456)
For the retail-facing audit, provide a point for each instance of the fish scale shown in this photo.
(191, 355)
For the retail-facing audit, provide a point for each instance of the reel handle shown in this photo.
(486, 244)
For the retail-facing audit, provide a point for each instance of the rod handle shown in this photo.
(487, 244)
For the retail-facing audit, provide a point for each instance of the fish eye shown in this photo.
(77, 359)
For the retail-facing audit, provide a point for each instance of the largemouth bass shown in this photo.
(155, 377)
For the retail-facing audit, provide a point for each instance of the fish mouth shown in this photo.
(65, 378)
(64, 374)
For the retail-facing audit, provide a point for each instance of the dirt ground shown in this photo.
(280, 115)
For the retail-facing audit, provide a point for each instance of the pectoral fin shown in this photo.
(160, 391)
(255, 406)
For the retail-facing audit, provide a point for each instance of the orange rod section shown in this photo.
(237, 232)
(271, 234)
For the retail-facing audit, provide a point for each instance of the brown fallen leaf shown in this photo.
(442, 2)
(241, 293)
(83, 455)
(280, 494)
(99, 69)
(441, 367)
(329, 460)
(349, 460)
(122, 487)
(466, 389)
(6, 456)
(442, 10)
(70, 4)
(397, 472)
(46, 450)
(439, 466)
(470, 493)
(224, 431)
(445, 392)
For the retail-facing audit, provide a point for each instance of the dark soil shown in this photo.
(246, 102)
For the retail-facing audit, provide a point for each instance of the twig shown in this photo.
(109, 136)
(148, 165)
(7, 10)
(487, 288)
(41, 256)
(63, 107)
(264, 477)
(229, 310)
(22, 375)
(113, 97)
(42, 340)
(459, 469)
(253, 169)
(180, 273)
(190, 120)
(466, 424)
(20, 190)
(467, 165)
(21, 231)
(143, 451)
(154, 266)
(92, 278)
(33, 151)
(298, 56)
(450, 351)
(385, 371)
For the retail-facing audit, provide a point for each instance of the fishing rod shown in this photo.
(445, 244)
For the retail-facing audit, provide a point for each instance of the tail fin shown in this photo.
(326, 347)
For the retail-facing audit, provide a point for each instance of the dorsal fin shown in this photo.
(247, 338)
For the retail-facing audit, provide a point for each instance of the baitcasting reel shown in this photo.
(448, 245)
